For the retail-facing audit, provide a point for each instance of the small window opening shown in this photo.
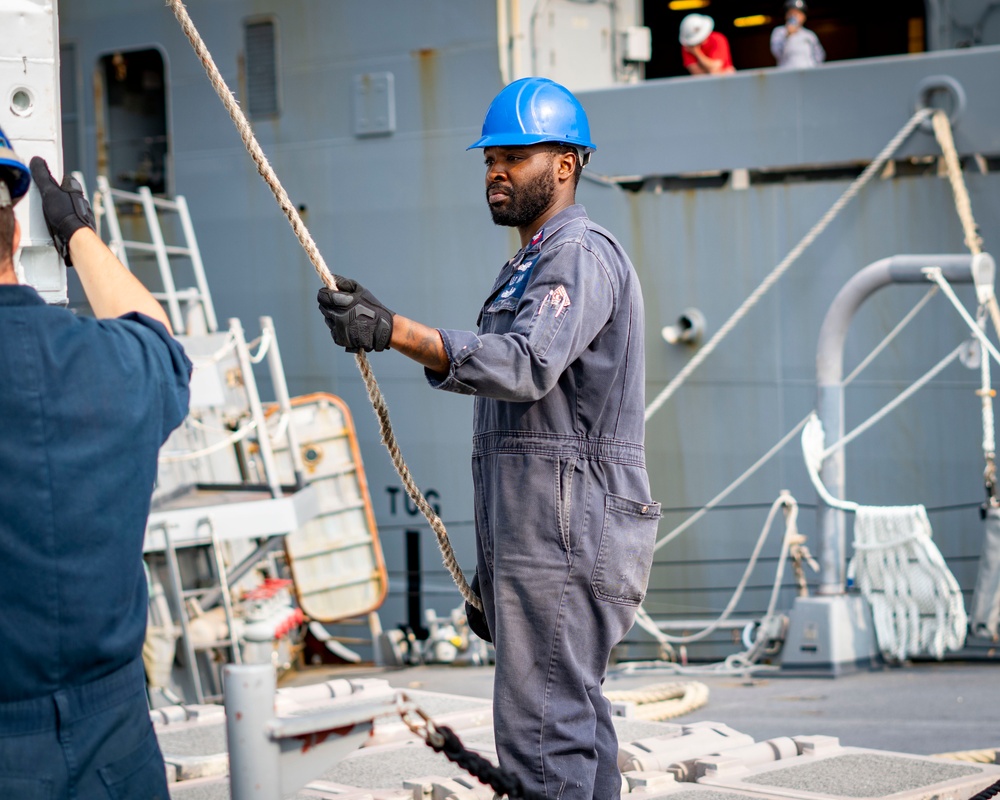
(261, 69)
(135, 146)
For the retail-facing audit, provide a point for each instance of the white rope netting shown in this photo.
(916, 602)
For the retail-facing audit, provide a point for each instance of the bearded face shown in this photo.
(520, 183)
(522, 202)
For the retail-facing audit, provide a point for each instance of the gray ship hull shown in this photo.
(402, 210)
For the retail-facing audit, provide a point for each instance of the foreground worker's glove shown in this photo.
(475, 617)
(65, 208)
(356, 319)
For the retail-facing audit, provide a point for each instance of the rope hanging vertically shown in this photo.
(963, 206)
(315, 257)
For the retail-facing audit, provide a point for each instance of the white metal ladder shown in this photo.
(197, 297)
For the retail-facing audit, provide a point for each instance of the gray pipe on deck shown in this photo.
(831, 522)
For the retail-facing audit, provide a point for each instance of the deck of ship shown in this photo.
(925, 708)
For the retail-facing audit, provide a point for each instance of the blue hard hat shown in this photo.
(13, 172)
(535, 110)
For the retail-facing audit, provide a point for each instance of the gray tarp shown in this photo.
(984, 615)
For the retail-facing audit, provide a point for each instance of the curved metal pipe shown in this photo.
(962, 268)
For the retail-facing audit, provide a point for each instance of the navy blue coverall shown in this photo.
(564, 521)
(85, 405)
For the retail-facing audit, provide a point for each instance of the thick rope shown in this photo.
(916, 602)
(963, 206)
(975, 756)
(870, 171)
(315, 257)
(990, 791)
(504, 783)
(663, 700)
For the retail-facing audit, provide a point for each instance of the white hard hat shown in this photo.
(695, 29)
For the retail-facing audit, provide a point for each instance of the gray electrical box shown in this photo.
(374, 104)
(636, 43)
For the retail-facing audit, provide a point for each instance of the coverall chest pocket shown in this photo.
(497, 319)
(626, 553)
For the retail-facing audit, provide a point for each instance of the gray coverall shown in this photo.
(564, 521)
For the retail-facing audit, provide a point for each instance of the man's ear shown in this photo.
(566, 163)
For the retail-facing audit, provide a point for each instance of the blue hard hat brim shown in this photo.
(19, 180)
(516, 139)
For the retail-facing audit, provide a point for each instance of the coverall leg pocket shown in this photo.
(139, 774)
(626, 552)
(481, 474)
(25, 788)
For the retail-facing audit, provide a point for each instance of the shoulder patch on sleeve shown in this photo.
(556, 301)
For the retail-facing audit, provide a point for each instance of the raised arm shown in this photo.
(110, 288)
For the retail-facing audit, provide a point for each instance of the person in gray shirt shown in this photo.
(565, 527)
(794, 46)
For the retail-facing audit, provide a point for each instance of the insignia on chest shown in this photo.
(515, 287)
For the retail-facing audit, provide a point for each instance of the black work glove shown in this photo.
(356, 319)
(475, 617)
(65, 208)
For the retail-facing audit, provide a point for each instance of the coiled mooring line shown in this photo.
(309, 245)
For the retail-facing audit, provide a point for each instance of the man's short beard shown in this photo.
(525, 205)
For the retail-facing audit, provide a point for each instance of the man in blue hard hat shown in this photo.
(564, 521)
(86, 404)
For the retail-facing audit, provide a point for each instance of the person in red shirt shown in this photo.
(704, 50)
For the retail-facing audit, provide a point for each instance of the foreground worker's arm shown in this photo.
(554, 321)
(110, 288)
(421, 343)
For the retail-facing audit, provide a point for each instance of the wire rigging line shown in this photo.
(870, 171)
(890, 336)
(315, 257)
(785, 501)
(664, 540)
(901, 398)
(935, 274)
